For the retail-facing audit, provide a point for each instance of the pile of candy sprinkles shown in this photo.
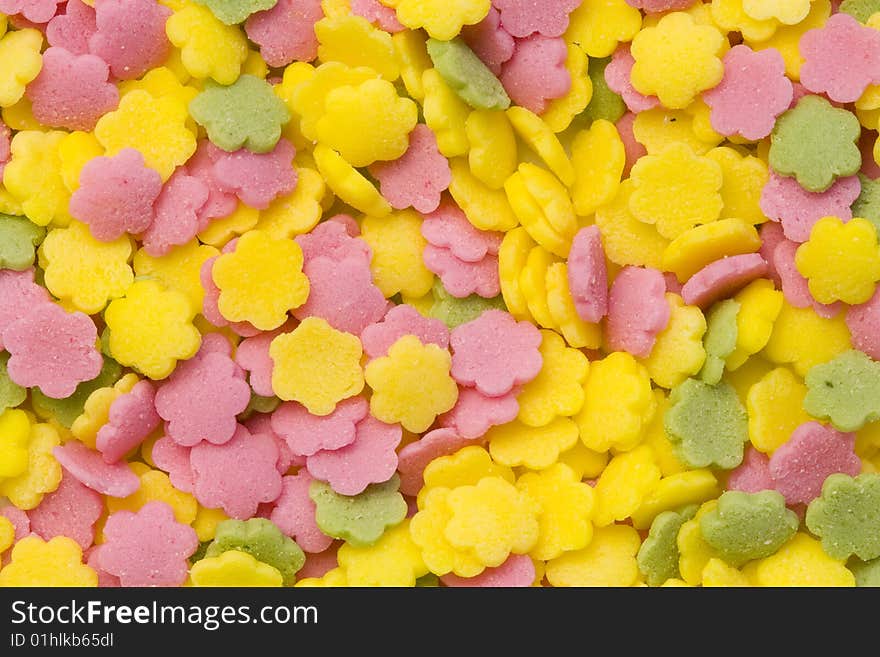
(439, 293)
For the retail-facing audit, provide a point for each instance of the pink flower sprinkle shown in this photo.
(841, 58)
(588, 275)
(19, 295)
(294, 514)
(494, 353)
(797, 209)
(73, 29)
(307, 434)
(132, 418)
(116, 195)
(489, 41)
(864, 325)
(474, 413)
(286, 32)
(637, 311)
(448, 227)
(257, 178)
(617, 76)
(177, 214)
(524, 17)
(402, 320)
(332, 239)
(536, 53)
(460, 278)
(36, 11)
(130, 36)
(376, 12)
(70, 510)
(752, 93)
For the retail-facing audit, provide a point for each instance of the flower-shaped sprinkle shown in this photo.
(441, 19)
(752, 93)
(153, 347)
(147, 548)
(418, 177)
(816, 143)
(412, 384)
(33, 176)
(489, 41)
(83, 271)
(474, 413)
(517, 444)
(478, 359)
(276, 264)
(70, 510)
(676, 190)
(360, 520)
(598, 26)
(154, 126)
(43, 472)
(176, 214)
(399, 321)
(746, 526)
(294, 513)
(307, 434)
(246, 114)
(35, 11)
(862, 321)
(418, 454)
(52, 349)
(116, 195)
(660, 52)
(785, 201)
(261, 539)
(58, 562)
(237, 475)
(845, 517)
(524, 18)
(840, 261)
(617, 76)
(840, 59)
(71, 91)
(637, 311)
(394, 561)
(286, 33)
(208, 48)
(492, 520)
(658, 556)
(315, 346)
(844, 391)
(558, 388)
(548, 54)
(234, 569)
(707, 423)
(130, 36)
(370, 459)
(218, 384)
(20, 53)
(131, 419)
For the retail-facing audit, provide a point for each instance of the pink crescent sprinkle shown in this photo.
(333, 239)
(36, 11)
(517, 571)
(460, 278)
(130, 36)
(375, 12)
(286, 32)
(415, 457)
(402, 320)
(252, 355)
(752, 475)
(132, 418)
(19, 294)
(73, 29)
(814, 451)
(370, 459)
(72, 91)
(177, 217)
(752, 93)
(494, 353)
(257, 178)
(307, 434)
(795, 287)
(201, 398)
(841, 58)
(797, 209)
(489, 41)
(524, 17)
(722, 278)
(448, 227)
(864, 325)
(418, 177)
(617, 76)
(174, 459)
(116, 195)
(294, 514)
(70, 510)
(343, 293)
(147, 548)
(90, 468)
(237, 475)
(536, 53)
(474, 413)
(637, 311)
(53, 350)
(588, 275)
